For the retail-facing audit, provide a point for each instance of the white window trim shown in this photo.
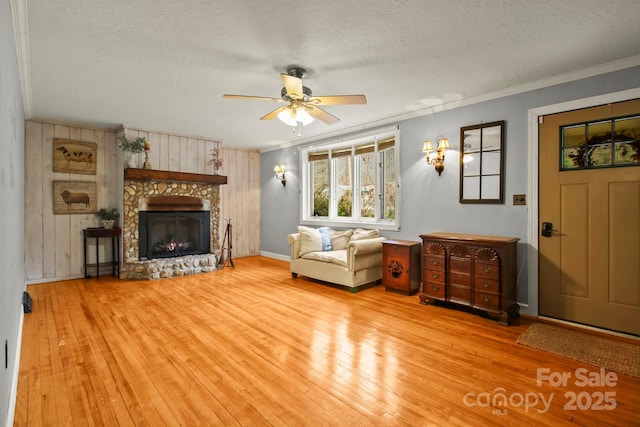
(305, 177)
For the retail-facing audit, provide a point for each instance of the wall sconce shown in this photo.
(442, 144)
(280, 170)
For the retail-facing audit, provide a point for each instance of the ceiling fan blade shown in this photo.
(261, 98)
(272, 115)
(338, 100)
(293, 86)
(320, 114)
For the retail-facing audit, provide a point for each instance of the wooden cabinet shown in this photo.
(401, 266)
(471, 270)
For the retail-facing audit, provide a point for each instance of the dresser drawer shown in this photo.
(434, 276)
(459, 278)
(490, 271)
(487, 285)
(460, 294)
(397, 249)
(462, 265)
(434, 263)
(489, 301)
(433, 290)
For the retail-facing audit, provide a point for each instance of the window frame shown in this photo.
(352, 142)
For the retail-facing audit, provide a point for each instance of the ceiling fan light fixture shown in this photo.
(293, 117)
(304, 117)
(302, 106)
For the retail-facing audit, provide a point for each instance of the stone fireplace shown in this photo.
(183, 208)
(173, 226)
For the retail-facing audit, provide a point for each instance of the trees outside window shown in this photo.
(352, 182)
(319, 184)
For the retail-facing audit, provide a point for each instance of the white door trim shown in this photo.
(532, 187)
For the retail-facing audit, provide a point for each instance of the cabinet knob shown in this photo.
(434, 262)
(487, 298)
(486, 284)
(487, 269)
(434, 287)
(435, 274)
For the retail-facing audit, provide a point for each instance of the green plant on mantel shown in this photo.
(132, 146)
(108, 214)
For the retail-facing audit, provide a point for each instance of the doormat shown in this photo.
(598, 351)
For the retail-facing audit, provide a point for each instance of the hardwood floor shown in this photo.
(252, 346)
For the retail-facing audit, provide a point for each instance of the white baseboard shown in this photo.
(13, 394)
(54, 279)
(274, 255)
(524, 309)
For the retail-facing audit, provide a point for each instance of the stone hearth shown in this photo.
(141, 185)
(170, 267)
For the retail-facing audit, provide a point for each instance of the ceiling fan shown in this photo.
(302, 107)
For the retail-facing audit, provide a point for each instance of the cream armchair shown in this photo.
(356, 266)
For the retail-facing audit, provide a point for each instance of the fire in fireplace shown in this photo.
(172, 226)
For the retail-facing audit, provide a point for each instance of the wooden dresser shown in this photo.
(471, 270)
(401, 266)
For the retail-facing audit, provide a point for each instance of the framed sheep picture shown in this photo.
(71, 156)
(74, 197)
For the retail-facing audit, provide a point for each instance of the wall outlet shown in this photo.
(519, 199)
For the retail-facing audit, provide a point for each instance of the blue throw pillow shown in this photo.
(326, 238)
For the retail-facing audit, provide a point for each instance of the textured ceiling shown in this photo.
(164, 64)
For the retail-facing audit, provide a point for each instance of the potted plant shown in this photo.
(108, 216)
(131, 148)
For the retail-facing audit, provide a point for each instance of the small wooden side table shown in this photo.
(401, 266)
(97, 233)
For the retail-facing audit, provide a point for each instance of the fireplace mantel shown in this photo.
(155, 175)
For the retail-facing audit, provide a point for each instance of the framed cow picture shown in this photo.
(74, 197)
(71, 156)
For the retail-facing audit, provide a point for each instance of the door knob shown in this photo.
(547, 229)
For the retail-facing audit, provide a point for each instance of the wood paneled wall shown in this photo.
(240, 200)
(54, 243)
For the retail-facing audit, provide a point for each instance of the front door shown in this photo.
(589, 231)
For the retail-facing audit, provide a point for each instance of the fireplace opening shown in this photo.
(173, 226)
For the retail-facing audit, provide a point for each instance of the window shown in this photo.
(319, 183)
(352, 183)
(604, 143)
(343, 190)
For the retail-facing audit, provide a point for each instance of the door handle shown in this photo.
(547, 229)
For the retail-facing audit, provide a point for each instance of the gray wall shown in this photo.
(430, 202)
(12, 281)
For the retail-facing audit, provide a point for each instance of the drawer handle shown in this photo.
(487, 269)
(486, 298)
(435, 262)
(434, 287)
(435, 274)
(486, 284)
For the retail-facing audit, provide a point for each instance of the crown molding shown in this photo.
(609, 67)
